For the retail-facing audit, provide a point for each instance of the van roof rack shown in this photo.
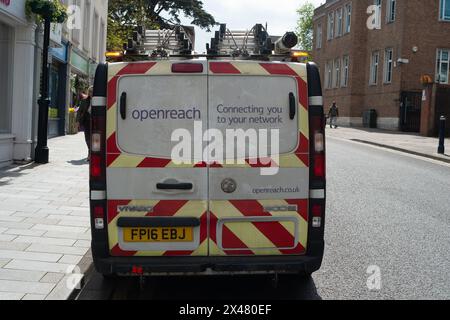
(252, 43)
(179, 42)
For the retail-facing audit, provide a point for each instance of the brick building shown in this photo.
(376, 60)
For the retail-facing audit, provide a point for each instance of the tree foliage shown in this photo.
(305, 26)
(125, 15)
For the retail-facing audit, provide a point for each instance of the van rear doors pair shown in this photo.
(227, 200)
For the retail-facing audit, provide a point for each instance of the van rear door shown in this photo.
(155, 206)
(254, 211)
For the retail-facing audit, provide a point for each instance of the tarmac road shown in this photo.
(387, 212)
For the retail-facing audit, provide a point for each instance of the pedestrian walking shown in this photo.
(333, 114)
(84, 117)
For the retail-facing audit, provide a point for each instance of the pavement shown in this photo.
(44, 223)
(400, 141)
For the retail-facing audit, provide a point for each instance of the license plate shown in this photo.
(179, 234)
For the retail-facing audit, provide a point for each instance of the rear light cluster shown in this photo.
(318, 166)
(98, 165)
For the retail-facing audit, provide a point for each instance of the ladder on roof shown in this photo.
(250, 43)
(180, 40)
(255, 41)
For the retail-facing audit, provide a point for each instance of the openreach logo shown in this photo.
(259, 147)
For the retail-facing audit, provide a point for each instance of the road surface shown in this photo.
(387, 213)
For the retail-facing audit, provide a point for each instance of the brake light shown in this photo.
(319, 165)
(96, 170)
(187, 68)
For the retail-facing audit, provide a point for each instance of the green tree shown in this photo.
(305, 26)
(125, 15)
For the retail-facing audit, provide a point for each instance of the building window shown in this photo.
(102, 41)
(339, 21)
(445, 10)
(374, 68)
(391, 10)
(443, 62)
(337, 73)
(345, 71)
(76, 31)
(348, 17)
(388, 65)
(86, 24)
(95, 38)
(329, 75)
(319, 37)
(331, 25)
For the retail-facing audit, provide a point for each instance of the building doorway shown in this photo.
(410, 111)
(5, 58)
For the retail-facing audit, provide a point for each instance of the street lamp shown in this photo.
(41, 151)
(49, 11)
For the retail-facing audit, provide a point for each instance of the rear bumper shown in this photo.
(306, 264)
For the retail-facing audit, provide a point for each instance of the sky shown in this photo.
(280, 16)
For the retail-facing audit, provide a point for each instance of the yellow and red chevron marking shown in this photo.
(114, 157)
(247, 237)
(300, 157)
(165, 208)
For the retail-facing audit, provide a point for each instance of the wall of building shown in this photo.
(15, 139)
(414, 36)
(20, 70)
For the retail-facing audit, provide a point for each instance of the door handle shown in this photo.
(123, 105)
(174, 186)
(292, 106)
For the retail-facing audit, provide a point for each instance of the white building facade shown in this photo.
(17, 65)
(77, 49)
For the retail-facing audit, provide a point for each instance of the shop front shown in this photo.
(17, 56)
(79, 74)
(58, 91)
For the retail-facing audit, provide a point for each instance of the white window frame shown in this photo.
(319, 36)
(87, 16)
(388, 65)
(337, 72)
(374, 66)
(391, 11)
(330, 29)
(339, 22)
(328, 74)
(345, 71)
(439, 65)
(76, 32)
(442, 8)
(348, 18)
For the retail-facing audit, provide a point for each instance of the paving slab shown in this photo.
(44, 222)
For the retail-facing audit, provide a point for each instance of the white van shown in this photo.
(153, 213)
